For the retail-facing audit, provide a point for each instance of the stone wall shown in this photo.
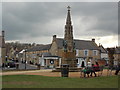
(54, 50)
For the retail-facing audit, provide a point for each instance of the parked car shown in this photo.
(11, 64)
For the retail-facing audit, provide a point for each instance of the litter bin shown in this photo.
(64, 70)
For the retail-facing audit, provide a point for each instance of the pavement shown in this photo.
(24, 72)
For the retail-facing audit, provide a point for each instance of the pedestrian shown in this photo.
(97, 64)
(3, 65)
(86, 70)
(92, 70)
(117, 69)
(89, 64)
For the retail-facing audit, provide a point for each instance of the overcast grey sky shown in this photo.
(38, 21)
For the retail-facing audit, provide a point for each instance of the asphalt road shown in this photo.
(21, 66)
(28, 66)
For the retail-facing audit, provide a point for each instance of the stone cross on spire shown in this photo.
(69, 32)
(68, 21)
(68, 7)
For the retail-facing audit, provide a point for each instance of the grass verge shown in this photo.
(35, 81)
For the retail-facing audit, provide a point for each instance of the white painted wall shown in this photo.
(41, 61)
(104, 55)
(80, 62)
(60, 62)
(77, 52)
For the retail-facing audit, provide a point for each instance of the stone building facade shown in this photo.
(114, 56)
(33, 54)
(117, 55)
(84, 50)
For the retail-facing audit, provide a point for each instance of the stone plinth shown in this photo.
(70, 59)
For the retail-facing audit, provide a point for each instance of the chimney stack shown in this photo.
(3, 33)
(54, 37)
(100, 45)
(93, 40)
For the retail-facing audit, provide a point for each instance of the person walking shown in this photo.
(96, 67)
(117, 69)
(93, 70)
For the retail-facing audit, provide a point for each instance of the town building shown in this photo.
(103, 56)
(117, 55)
(14, 50)
(13, 53)
(103, 51)
(114, 56)
(86, 50)
(34, 54)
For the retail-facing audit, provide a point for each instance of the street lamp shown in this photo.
(25, 58)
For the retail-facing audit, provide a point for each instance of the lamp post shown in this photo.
(25, 59)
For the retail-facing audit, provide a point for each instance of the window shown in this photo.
(94, 52)
(86, 53)
(77, 52)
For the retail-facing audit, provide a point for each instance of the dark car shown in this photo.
(11, 64)
(15, 60)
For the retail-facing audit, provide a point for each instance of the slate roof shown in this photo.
(59, 42)
(82, 44)
(39, 48)
(45, 54)
(117, 50)
(79, 44)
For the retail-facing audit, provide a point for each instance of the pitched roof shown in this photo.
(82, 44)
(79, 44)
(39, 48)
(45, 54)
(59, 42)
(117, 50)
(103, 50)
